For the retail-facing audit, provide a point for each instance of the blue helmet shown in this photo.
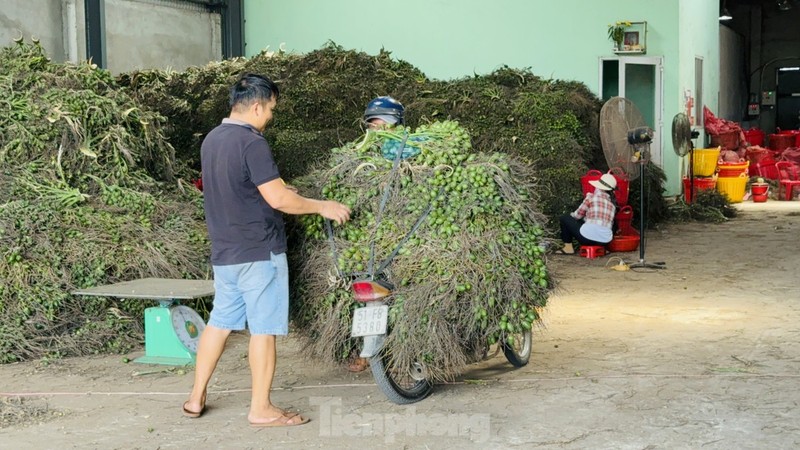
(385, 108)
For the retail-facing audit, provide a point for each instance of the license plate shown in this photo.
(370, 320)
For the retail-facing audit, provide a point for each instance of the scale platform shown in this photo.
(171, 331)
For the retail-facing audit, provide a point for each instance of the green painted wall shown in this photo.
(449, 39)
(698, 38)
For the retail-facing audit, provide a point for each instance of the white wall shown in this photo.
(143, 34)
(698, 37)
(140, 34)
(40, 19)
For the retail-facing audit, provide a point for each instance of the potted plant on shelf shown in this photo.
(616, 33)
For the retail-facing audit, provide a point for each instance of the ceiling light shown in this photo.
(784, 5)
(725, 14)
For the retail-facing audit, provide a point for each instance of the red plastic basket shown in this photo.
(699, 183)
(623, 184)
(759, 192)
(732, 169)
(622, 243)
(758, 154)
(624, 218)
(765, 169)
(755, 136)
(781, 141)
(795, 133)
(593, 174)
(729, 140)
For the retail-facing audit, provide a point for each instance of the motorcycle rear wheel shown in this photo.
(400, 385)
(519, 352)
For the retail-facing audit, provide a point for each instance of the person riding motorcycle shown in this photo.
(383, 111)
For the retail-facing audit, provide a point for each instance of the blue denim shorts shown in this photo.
(255, 294)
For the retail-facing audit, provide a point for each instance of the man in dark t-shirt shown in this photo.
(241, 225)
(244, 197)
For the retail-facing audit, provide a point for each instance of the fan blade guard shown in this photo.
(681, 134)
(618, 116)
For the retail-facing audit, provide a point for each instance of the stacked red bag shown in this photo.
(728, 135)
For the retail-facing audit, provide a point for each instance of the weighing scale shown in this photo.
(171, 331)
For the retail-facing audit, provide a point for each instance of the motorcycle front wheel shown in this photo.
(401, 385)
(518, 351)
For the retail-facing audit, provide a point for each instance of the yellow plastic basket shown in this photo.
(705, 161)
(733, 187)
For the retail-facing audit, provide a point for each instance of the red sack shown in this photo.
(791, 154)
(716, 126)
(756, 153)
(728, 156)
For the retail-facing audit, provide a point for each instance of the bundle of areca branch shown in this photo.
(467, 239)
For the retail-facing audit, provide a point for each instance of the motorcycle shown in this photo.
(404, 385)
(412, 383)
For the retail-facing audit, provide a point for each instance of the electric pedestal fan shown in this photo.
(626, 144)
(682, 135)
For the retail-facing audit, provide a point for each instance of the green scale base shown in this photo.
(161, 344)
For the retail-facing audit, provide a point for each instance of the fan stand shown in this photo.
(642, 160)
(693, 135)
(691, 173)
(690, 176)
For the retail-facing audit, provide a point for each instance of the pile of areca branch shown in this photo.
(93, 168)
(550, 124)
(88, 196)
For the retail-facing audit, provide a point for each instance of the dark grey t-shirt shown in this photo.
(243, 228)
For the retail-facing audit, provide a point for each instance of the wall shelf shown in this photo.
(634, 41)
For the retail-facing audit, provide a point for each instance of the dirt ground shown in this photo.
(704, 354)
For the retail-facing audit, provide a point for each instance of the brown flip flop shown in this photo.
(282, 421)
(192, 414)
(357, 365)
